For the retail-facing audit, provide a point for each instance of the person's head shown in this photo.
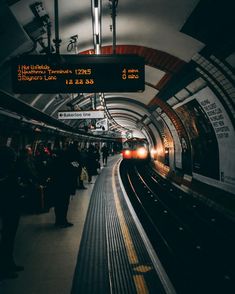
(29, 150)
(75, 143)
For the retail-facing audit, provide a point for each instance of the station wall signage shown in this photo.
(102, 124)
(80, 114)
(78, 73)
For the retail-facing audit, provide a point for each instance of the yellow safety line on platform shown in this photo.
(139, 280)
(140, 284)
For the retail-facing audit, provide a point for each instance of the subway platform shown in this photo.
(106, 251)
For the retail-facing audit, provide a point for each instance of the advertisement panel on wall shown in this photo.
(212, 137)
(224, 131)
(205, 155)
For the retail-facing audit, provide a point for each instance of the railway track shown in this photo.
(194, 242)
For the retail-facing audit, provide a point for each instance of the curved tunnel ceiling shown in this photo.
(160, 31)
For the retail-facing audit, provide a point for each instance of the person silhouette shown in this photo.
(10, 192)
(105, 154)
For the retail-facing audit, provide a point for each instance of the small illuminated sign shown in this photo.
(80, 114)
(102, 124)
(129, 135)
(78, 73)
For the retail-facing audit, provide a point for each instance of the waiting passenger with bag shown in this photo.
(84, 175)
(82, 161)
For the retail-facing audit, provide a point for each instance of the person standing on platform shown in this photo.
(63, 180)
(10, 192)
(75, 157)
(91, 163)
(105, 154)
(83, 162)
(97, 158)
(29, 179)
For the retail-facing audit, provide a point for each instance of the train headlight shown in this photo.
(126, 154)
(142, 153)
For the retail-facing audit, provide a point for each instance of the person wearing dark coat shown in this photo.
(10, 192)
(83, 162)
(105, 154)
(91, 163)
(29, 178)
(97, 158)
(64, 172)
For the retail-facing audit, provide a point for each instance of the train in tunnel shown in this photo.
(152, 80)
(136, 149)
(184, 106)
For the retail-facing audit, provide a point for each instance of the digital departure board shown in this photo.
(77, 73)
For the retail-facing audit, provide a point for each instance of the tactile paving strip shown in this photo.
(112, 256)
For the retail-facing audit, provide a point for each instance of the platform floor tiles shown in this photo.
(48, 254)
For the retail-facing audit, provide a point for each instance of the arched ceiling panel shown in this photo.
(132, 16)
(127, 103)
(158, 30)
(120, 112)
(153, 75)
(144, 97)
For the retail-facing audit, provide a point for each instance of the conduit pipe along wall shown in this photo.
(96, 22)
(57, 40)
